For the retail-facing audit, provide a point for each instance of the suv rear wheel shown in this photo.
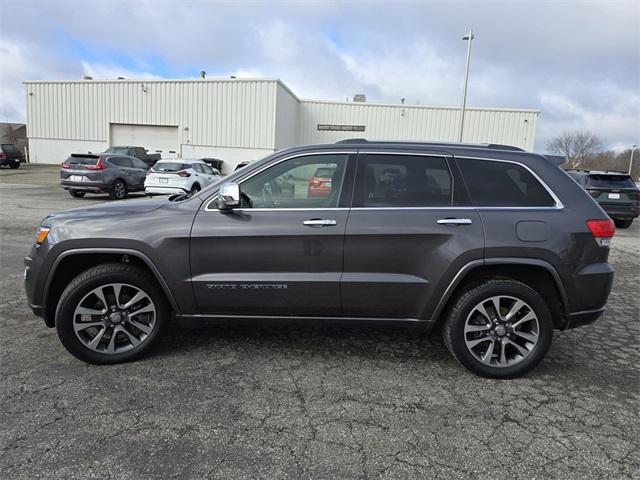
(499, 329)
(118, 190)
(623, 223)
(76, 193)
(111, 313)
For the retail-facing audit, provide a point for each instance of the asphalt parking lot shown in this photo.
(307, 402)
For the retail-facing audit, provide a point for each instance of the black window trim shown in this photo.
(447, 156)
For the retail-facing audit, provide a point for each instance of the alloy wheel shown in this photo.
(114, 318)
(501, 331)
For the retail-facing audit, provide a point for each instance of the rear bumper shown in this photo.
(94, 187)
(10, 161)
(588, 298)
(164, 190)
(622, 212)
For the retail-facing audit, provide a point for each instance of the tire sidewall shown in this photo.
(74, 294)
(113, 190)
(506, 288)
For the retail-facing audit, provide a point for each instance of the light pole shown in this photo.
(633, 149)
(469, 36)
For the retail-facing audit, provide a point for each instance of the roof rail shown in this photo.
(490, 146)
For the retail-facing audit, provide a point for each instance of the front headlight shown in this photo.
(41, 234)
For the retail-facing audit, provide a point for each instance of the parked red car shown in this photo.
(320, 183)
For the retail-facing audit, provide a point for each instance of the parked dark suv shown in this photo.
(116, 175)
(616, 193)
(10, 155)
(494, 246)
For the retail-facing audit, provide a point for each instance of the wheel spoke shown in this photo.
(486, 358)
(96, 340)
(90, 311)
(99, 292)
(515, 308)
(145, 309)
(480, 308)
(141, 326)
(496, 306)
(111, 347)
(530, 337)
(476, 328)
(523, 351)
(132, 338)
(527, 318)
(117, 288)
(503, 356)
(135, 299)
(473, 343)
(79, 326)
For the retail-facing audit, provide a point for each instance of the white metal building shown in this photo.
(235, 119)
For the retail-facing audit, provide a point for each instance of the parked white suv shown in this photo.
(168, 177)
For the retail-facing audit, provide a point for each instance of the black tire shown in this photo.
(118, 190)
(93, 278)
(14, 165)
(623, 223)
(76, 193)
(453, 331)
(195, 188)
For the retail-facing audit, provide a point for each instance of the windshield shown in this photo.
(610, 181)
(117, 150)
(8, 147)
(170, 166)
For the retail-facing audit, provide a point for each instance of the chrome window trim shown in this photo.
(558, 203)
(280, 160)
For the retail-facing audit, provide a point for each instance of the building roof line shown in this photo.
(432, 107)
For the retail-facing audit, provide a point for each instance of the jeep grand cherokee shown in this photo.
(493, 246)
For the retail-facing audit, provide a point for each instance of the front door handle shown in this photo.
(317, 222)
(455, 221)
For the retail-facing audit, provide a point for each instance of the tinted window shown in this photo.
(170, 166)
(9, 148)
(117, 150)
(138, 163)
(120, 162)
(291, 184)
(80, 160)
(207, 169)
(403, 181)
(503, 184)
(610, 181)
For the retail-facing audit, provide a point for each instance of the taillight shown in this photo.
(98, 166)
(3, 155)
(64, 165)
(602, 230)
(184, 173)
(594, 193)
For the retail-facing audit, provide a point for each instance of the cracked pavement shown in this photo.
(295, 401)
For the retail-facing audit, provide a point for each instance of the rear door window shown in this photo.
(402, 181)
(503, 184)
(121, 162)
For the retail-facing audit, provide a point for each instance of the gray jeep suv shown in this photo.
(493, 246)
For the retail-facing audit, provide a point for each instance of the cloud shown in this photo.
(577, 61)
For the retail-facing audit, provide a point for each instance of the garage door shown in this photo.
(156, 139)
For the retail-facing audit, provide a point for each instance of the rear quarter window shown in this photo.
(503, 184)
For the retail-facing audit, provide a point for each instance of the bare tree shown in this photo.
(578, 147)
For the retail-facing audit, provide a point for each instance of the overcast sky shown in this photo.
(578, 62)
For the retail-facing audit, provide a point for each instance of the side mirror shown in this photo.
(228, 196)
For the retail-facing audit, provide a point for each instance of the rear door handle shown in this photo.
(317, 222)
(455, 221)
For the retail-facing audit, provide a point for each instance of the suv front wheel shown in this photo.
(499, 329)
(111, 313)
